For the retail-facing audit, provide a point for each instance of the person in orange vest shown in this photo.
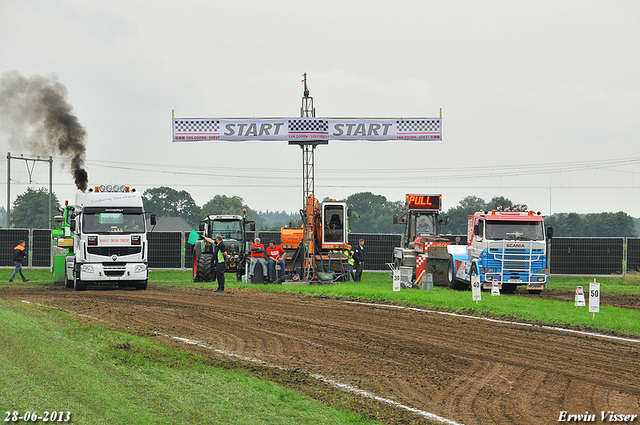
(19, 254)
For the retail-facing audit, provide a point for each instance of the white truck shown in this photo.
(110, 243)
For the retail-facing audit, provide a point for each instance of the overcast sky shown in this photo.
(540, 100)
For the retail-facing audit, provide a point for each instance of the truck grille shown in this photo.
(108, 251)
(519, 263)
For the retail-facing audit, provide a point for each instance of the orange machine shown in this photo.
(324, 231)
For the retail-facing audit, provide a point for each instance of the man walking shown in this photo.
(19, 254)
(358, 256)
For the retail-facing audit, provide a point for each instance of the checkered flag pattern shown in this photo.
(309, 125)
(418, 126)
(196, 126)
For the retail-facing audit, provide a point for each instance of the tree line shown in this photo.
(370, 213)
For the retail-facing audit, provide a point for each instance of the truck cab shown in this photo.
(507, 247)
(109, 238)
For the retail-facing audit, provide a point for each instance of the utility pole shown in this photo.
(308, 185)
(30, 171)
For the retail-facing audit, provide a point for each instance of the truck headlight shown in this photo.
(491, 270)
(488, 278)
(541, 279)
(87, 269)
(140, 268)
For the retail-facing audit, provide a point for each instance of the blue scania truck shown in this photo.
(507, 247)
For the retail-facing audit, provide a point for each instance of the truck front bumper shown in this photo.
(98, 272)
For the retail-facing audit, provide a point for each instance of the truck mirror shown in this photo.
(153, 220)
(395, 219)
(72, 225)
(476, 229)
(549, 232)
(349, 212)
(252, 227)
(202, 224)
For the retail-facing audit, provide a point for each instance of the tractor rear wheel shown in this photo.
(204, 271)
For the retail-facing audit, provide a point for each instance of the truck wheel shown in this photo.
(450, 274)
(474, 272)
(451, 278)
(204, 269)
(141, 285)
(78, 285)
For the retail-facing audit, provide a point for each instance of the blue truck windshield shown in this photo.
(514, 230)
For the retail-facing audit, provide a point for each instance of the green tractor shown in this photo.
(233, 229)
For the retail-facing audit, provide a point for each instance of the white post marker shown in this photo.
(396, 279)
(594, 298)
(580, 297)
(495, 289)
(475, 288)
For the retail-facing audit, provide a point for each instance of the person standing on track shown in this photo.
(221, 265)
(350, 263)
(19, 254)
(358, 256)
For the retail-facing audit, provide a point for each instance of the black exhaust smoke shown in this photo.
(34, 112)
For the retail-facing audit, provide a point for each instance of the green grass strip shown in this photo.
(50, 362)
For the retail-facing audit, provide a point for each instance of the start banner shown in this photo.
(306, 129)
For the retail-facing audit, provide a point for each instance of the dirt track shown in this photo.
(467, 370)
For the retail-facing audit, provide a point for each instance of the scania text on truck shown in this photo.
(110, 243)
(507, 247)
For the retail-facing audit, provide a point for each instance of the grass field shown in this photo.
(49, 362)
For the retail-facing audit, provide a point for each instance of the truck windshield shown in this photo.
(514, 230)
(424, 224)
(113, 223)
(227, 229)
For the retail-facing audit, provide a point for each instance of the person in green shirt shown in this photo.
(220, 255)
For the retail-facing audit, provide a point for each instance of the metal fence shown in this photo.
(170, 250)
(593, 256)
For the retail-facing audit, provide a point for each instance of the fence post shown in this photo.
(30, 240)
(625, 255)
(183, 251)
